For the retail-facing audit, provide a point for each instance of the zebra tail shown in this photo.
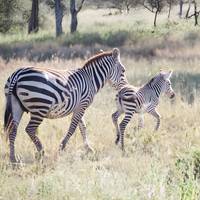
(8, 116)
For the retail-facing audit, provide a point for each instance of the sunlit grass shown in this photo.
(156, 165)
(138, 25)
(148, 170)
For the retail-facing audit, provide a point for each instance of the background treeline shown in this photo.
(40, 30)
(31, 15)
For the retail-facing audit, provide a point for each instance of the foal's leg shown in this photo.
(140, 121)
(157, 116)
(115, 117)
(82, 128)
(123, 125)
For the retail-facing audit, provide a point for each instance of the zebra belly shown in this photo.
(59, 110)
(144, 108)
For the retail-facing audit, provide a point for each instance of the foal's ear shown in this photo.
(168, 75)
(115, 53)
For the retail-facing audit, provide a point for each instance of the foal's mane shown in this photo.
(97, 56)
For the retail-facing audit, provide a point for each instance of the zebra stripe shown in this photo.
(131, 100)
(48, 93)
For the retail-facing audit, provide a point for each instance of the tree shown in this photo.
(195, 14)
(170, 3)
(7, 10)
(154, 6)
(170, 7)
(188, 10)
(33, 25)
(58, 17)
(180, 8)
(74, 10)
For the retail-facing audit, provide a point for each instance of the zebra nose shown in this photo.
(172, 96)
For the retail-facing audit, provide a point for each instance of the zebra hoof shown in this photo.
(117, 141)
(61, 147)
(13, 161)
(89, 149)
(39, 155)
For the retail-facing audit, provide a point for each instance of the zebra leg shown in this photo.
(77, 115)
(115, 117)
(141, 121)
(157, 116)
(31, 128)
(122, 127)
(12, 137)
(17, 113)
(82, 128)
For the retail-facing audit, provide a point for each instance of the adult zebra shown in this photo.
(131, 100)
(47, 93)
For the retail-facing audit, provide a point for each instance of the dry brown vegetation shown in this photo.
(161, 165)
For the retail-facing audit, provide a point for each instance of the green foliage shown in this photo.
(189, 165)
(7, 14)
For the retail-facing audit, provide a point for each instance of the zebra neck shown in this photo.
(98, 77)
(157, 89)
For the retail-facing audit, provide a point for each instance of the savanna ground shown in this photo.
(163, 165)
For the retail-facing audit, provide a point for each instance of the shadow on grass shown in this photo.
(67, 46)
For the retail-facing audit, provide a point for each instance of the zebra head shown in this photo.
(167, 87)
(117, 72)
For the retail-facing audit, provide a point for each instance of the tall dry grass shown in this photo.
(157, 165)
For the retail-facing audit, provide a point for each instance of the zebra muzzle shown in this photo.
(172, 96)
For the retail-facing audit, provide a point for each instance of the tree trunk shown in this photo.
(127, 6)
(156, 13)
(170, 7)
(74, 21)
(196, 14)
(33, 25)
(155, 18)
(180, 8)
(74, 12)
(59, 17)
(188, 10)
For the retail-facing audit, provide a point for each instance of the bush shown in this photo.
(116, 38)
(7, 11)
(189, 165)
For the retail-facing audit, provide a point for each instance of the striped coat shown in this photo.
(131, 100)
(48, 93)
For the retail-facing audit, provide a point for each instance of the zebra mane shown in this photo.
(97, 56)
(151, 81)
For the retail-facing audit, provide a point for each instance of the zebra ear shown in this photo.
(168, 75)
(115, 53)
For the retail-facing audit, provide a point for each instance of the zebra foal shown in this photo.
(48, 93)
(131, 100)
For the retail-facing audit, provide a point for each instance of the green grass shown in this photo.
(135, 26)
(132, 32)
